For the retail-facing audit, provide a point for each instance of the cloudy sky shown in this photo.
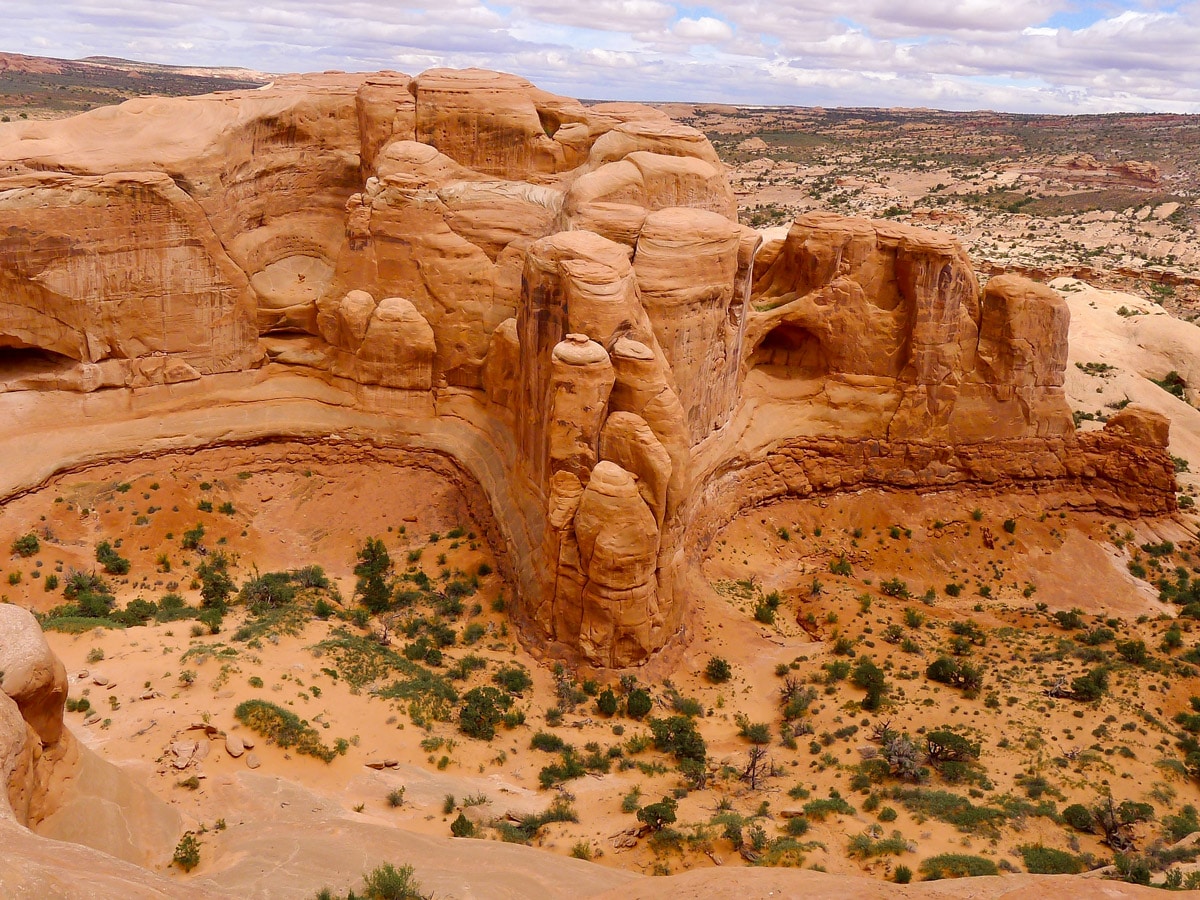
(1016, 55)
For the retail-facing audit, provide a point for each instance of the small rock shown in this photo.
(376, 764)
(201, 751)
(480, 815)
(100, 680)
(248, 742)
(252, 761)
(392, 763)
(92, 719)
(83, 675)
(793, 813)
(183, 751)
(234, 745)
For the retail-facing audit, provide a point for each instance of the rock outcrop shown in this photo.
(52, 784)
(556, 296)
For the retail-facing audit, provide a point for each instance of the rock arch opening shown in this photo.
(791, 351)
(19, 362)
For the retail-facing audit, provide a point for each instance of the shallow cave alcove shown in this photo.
(791, 351)
(19, 360)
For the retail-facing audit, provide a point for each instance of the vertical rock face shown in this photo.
(562, 298)
(687, 265)
(73, 284)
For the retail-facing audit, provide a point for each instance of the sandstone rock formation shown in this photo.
(557, 297)
(53, 785)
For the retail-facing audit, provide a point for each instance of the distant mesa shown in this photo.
(557, 297)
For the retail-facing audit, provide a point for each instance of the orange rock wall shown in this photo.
(558, 297)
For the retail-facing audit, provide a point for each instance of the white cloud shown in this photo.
(705, 29)
(951, 53)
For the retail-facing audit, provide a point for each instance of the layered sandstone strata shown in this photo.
(557, 296)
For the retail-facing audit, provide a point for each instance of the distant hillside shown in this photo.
(38, 87)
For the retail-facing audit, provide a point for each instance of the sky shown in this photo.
(1037, 56)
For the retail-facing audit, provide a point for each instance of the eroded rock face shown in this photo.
(556, 296)
(889, 324)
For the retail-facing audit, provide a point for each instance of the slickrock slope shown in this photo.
(558, 297)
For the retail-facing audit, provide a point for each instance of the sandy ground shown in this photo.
(289, 513)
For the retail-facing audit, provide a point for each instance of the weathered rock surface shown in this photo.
(556, 297)
(54, 785)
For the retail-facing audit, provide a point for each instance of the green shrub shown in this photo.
(841, 566)
(1078, 817)
(718, 671)
(283, 728)
(638, 704)
(944, 745)
(956, 865)
(462, 826)
(1172, 383)
(754, 732)
(482, 710)
(1091, 685)
(660, 814)
(216, 584)
(187, 852)
(26, 545)
(797, 826)
(954, 809)
(870, 678)
(678, 736)
(513, 679)
(764, 610)
(606, 703)
(193, 537)
(389, 883)
(113, 562)
(864, 846)
(1041, 860)
(527, 827)
(819, 810)
(545, 740)
(374, 565)
(1133, 651)
(570, 765)
(1177, 827)
(268, 591)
